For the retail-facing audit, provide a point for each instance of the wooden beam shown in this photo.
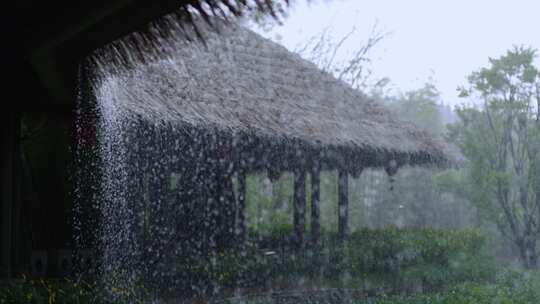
(241, 230)
(299, 217)
(315, 204)
(343, 204)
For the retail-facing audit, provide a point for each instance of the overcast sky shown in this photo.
(443, 39)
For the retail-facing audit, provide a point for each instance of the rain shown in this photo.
(213, 155)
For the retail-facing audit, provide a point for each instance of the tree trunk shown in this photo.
(343, 204)
(532, 256)
(299, 207)
(528, 254)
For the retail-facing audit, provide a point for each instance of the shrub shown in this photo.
(46, 291)
(511, 287)
(57, 291)
(400, 258)
(392, 260)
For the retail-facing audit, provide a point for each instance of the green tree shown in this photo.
(418, 196)
(420, 106)
(501, 139)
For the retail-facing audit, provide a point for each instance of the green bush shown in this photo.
(46, 291)
(57, 291)
(391, 260)
(398, 259)
(510, 287)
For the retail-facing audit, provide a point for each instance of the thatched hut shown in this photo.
(43, 43)
(260, 108)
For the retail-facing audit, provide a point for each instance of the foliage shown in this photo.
(66, 291)
(510, 287)
(419, 198)
(399, 256)
(420, 106)
(29, 291)
(269, 204)
(501, 139)
(393, 260)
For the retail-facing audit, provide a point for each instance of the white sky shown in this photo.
(443, 39)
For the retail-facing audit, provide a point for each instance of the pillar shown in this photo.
(315, 204)
(299, 207)
(241, 208)
(9, 143)
(343, 203)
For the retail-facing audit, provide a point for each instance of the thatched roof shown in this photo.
(240, 82)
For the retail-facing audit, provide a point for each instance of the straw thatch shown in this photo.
(241, 83)
(211, 8)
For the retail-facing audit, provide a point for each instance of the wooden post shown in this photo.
(17, 255)
(10, 141)
(299, 207)
(224, 195)
(315, 206)
(343, 204)
(241, 208)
